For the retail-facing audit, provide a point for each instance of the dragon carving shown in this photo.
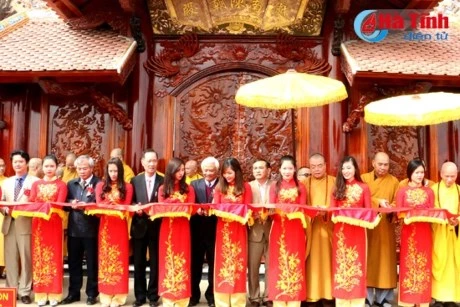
(164, 64)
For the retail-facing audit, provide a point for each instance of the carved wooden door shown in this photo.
(208, 122)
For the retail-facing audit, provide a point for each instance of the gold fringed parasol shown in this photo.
(291, 90)
(414, 110)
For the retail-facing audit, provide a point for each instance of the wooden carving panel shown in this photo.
(400, 143)
(210, 123)
(79, 128)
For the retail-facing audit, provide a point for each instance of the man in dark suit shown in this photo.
(144, 232)
(82, 233)
(203, 232)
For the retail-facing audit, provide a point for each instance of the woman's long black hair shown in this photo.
(170, 178)
(340, 182)
(107, 187)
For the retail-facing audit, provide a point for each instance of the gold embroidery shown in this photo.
(110, 266)
(416, 280)
(178, 196)
(230, 197)
(44, 271)
(114, 195)
(232, 266)
(349, 270)
(288, 195)
(290, 277)
(353, 195)
(416, 197)
(175, 277)
(47, 192)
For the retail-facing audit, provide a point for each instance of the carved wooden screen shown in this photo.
(400, 143)
(78, 127)
(208, 122)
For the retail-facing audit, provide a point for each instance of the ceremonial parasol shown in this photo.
(414, 110)
(291, 90)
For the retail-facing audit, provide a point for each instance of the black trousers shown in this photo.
(203, 244)
(76, 248)
(140, 245)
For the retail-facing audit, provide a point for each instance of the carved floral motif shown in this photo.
(400, 143)
(79, 128)
(209, 122)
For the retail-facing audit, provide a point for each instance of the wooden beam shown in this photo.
(64, 8)
(74, 9)
(421, 4)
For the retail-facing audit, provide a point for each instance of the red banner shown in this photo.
(8, 297)
(363, 217)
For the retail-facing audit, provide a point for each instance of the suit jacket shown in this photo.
(23, 224)
(258, 230)
(80, 224)
(140, 223)
(203, 227)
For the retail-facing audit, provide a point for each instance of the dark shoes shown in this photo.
(211, 303)
(255, 304)
(91, 300)
(193, 302)
(268, 303)
(26, 299)
(138, 303)
(70, 299)
(385, 303)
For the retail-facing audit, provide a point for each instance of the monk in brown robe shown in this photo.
(319, 248)
(381, 252)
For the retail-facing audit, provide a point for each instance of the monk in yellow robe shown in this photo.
(69, 170)
(319, 235)
(128, 171)
(381, 249)
(446, 242)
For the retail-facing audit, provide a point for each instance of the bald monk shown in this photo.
(446, 243)
(191, 171)
(319, 248)
(69, 170)
(381, 248)
(35, 167)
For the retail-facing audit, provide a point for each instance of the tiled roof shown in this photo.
(45, 43)
(398, 56)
